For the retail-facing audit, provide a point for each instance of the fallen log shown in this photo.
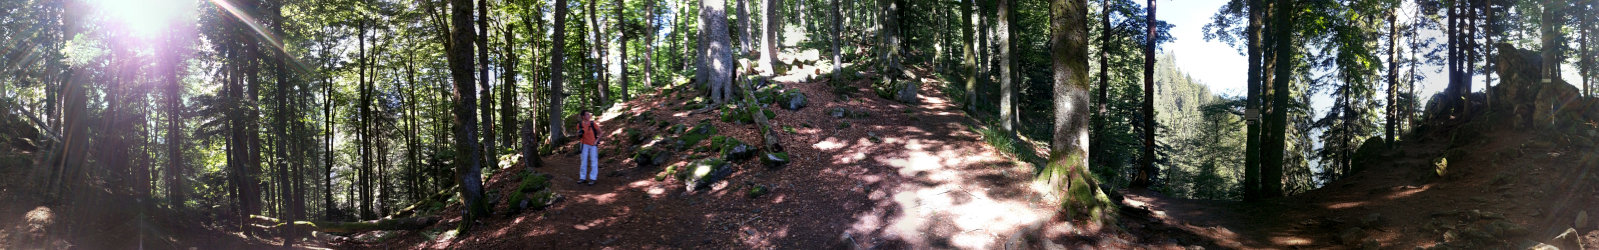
(443, 196)
(412, 223)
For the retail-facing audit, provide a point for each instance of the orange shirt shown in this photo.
(589, 131)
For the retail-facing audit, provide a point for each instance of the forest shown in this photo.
(811, 124)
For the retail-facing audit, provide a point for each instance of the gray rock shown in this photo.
(775, 159)
(793, 100)
(738, 151)
(700, 175)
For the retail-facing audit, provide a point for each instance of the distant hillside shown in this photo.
(1178, 97)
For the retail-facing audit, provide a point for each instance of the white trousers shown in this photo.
(588, 163)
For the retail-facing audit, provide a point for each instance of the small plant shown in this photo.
(843, 124)
(757, 191)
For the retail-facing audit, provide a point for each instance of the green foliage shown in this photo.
(700, 132)
(756, 191)
(1082, 199)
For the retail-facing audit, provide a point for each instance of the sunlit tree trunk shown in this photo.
(769, 46)
(717, 50)
(1069, 67)
(1002, 30)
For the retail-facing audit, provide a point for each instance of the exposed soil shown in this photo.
(927, 181)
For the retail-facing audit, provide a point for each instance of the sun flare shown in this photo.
(144, 18)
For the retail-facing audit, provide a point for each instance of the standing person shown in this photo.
(589, 162)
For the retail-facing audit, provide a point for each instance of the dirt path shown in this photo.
(925, 180)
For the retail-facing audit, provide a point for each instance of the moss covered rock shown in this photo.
(533, 193)
(699, 175)
(775, 159)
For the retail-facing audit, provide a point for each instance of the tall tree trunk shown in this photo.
(1069, 65)
(1257, 11)
(743, 29)
(1393, 79)
(177, 192)
(364, 129)
(468, 172)
(717, 50)
(283, 110)
(1551, 39)
(1272, 167)
(597, 54)
(490, 150)
(557, 65)
(1147, 170)
(968, 55)
(769, 46)
(621, 40)
(649, 43)
(329, 207)
(1005, 86)
(1096, 151)
(838, 30)
(508, 87)
(1587, 55)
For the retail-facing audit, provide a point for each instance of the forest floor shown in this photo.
(930, 181)
(920, 176)
(927, 179)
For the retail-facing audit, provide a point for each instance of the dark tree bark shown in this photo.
(363, 174)
(468, 171)
(1147, 170)
(1272, 165)
(1393, 79)
(283, 162)
(1257, 12)
(1102, 105)
(557, 63)
(968, 55)
(508, 95)
(490, 150)
(176, 190)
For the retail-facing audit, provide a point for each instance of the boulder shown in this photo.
(534, 193)
(793, 100)
(733, 149)
(775, 159)
(651, 156)
(1532, 102)
(700, 175)
(700, 132)
(1368, 153)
